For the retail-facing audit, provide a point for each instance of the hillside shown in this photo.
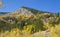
(2, 13)
(29, 19)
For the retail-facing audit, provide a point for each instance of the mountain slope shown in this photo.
(25, 16)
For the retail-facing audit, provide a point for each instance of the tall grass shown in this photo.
(15, 32)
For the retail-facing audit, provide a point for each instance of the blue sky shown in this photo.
(44, 5)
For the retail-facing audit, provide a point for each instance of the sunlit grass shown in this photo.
(54, 32)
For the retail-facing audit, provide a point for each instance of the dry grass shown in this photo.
(51, 32)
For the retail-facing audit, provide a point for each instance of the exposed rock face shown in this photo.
(24, 11)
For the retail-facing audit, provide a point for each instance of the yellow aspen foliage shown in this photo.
(15, 30)
(47, 26)
(27, 29)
